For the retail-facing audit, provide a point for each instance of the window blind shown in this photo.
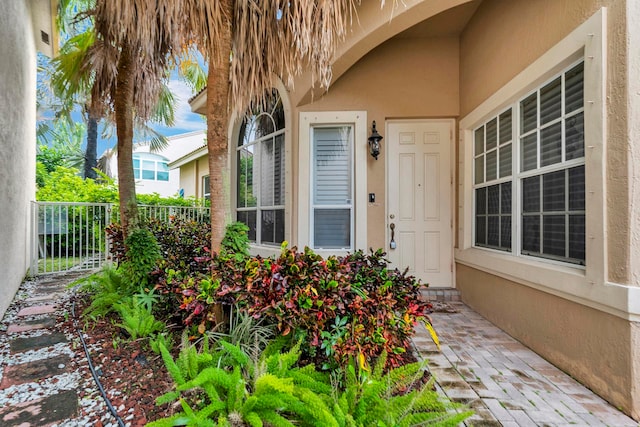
(332, 187)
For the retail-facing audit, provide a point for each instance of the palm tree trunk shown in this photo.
(123, 103)
(218, 85)
(91, 152)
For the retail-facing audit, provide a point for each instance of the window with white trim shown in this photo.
(493, 142)
(545, 149)
(332, 187)
(150, 167)
(206, 189)
(260, 171)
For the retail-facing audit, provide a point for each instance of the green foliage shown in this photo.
(250, 334)
(142, 255)
(155, 199)
(340, 306)
(147, 298)
(108, 288)
(225, 386)
(60, 144)
(164, 338)
(398, 398)
(136, 319)
(240, 390)
(65, 185)
(236, 241)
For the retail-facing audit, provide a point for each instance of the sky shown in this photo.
(185, 120)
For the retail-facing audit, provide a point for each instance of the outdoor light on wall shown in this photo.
(374, 141)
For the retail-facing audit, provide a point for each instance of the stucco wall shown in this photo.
(191, 175)
(402, 78)
(526, 30)
(597, 348)
(594, 347)
(17, 143)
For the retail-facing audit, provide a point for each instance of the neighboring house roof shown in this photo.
(198, 101)
(178, 146)
(189, 157)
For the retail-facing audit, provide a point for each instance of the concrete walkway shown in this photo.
(504, 382)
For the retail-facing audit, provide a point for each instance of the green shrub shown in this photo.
(141, 257)
(397, 398)
(226, 386)
(340, 306)
(236, 241)
(239, 390)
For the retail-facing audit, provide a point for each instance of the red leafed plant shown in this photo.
(341, 307)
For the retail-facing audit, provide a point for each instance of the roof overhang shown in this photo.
(189, 157)
(45, 31)
(198, 103)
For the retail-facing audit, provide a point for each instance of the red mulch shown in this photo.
(131, 374)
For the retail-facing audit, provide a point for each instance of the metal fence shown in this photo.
(71, 236)
(165, 213)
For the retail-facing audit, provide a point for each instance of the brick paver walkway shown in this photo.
(503, 381)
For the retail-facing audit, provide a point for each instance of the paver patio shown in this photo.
(505, 382)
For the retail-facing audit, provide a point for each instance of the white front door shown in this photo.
(419, 197)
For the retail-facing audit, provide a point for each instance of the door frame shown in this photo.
(452, 181)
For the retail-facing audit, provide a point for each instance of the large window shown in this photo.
(150, 167)
(547, 190)
(333, 156)
(260, 166)
(332, 187)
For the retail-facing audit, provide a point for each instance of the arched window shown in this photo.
(260, 165)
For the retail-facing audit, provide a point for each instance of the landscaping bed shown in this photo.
(181, 336)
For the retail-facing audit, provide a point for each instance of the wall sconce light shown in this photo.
(374, 141)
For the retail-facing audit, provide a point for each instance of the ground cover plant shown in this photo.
(290, 340)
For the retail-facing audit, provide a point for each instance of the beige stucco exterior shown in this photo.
(17, 142)
(464, 60)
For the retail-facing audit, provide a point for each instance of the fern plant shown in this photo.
(137, 320)
(108, 287)
(393, 399)
(242, 391)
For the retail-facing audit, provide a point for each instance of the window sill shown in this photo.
(561, 280)
(264, 250)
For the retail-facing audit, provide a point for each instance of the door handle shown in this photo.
(392, 242)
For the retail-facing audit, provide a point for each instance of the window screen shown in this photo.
(547, 178)
(493, 168)
(332, 187)
(260, 171)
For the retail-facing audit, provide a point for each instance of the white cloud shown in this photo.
(185, 119)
